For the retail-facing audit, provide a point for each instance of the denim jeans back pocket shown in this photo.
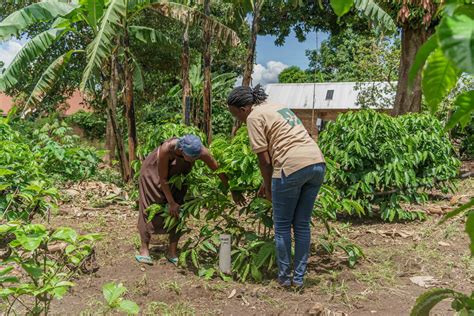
(319, 170)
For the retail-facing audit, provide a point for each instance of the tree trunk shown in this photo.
(252, 45)
(112, 113)
(110, 143)
(185, 73)
(247, 78)
(128, 101)
(207, 109)
(409, 101)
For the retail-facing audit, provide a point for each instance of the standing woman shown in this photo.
(292, 167)
(176, 156)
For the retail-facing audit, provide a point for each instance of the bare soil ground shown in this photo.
(379, 285)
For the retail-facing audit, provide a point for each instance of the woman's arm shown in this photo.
(213, 165)
(266, 168)
(163, 163)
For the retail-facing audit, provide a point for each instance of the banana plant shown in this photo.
(63, 16)
(112, 34)
(220, 84)
(105, 20)
(114, 28)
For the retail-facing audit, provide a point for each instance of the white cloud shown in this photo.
(8, 50)
(265, 74)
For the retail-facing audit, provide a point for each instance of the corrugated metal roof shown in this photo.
(301, 95)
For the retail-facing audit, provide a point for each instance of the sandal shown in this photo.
(144, 259)
(174, 260)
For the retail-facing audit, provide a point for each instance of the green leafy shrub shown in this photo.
(237, 161)
(25, 189)
(382, 161)
(170, 221)
(465, 137)
(93, 124)
(48, 262)
(29, 162)
(61, 153)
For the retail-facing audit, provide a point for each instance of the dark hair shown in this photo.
(243, 96)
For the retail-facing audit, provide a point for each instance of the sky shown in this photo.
(292, 53)
(8, 50)
(271, 59)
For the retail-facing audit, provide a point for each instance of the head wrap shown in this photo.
(243, 96)
(191, 145)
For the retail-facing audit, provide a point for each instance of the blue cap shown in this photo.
(191, 145)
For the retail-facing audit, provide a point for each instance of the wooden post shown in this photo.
(314, 128)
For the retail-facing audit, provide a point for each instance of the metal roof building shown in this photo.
(325, 96)
(315, 103)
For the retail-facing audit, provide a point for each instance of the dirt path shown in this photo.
(379, 285)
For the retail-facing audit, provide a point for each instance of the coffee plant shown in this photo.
(170, 222)
(251, 227)
(29, 163)
(25, 189)
(382, 161)
(38, 266)
(465, 136)
(93, 124)
(237, 161)
(62, 154)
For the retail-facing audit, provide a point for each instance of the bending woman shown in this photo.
(292, 167)
(175, 156)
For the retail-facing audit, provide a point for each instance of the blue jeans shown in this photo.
(293, 201)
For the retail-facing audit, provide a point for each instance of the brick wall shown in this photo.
(306, 116)
(74, 104)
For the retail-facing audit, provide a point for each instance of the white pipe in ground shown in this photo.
(224, 254)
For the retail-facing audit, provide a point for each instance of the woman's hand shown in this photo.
(261, 191)
(238, 198)
(266, 168)
(268, 194)
(264, 193)
(174, 209)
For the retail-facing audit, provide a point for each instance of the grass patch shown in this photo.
(171, 286)
(164, 309)
(380, 274)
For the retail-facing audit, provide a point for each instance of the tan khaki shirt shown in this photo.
(276, 129)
